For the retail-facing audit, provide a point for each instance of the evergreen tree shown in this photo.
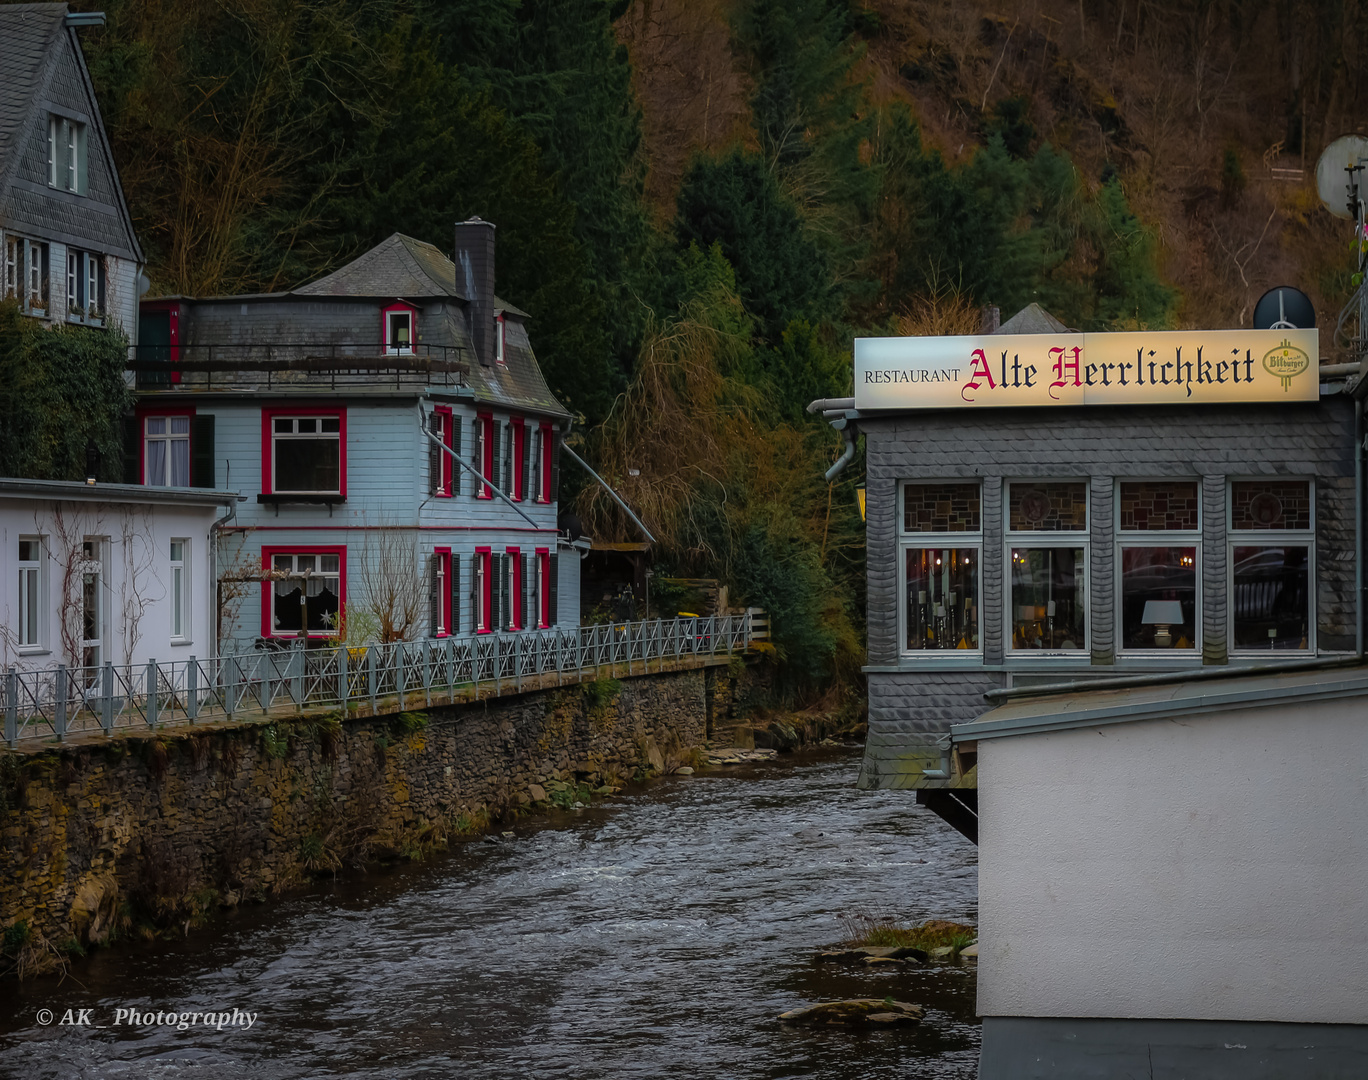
(736, 203)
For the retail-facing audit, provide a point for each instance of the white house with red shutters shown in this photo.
(325, 407)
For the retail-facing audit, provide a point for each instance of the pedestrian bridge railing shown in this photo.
(61, 701)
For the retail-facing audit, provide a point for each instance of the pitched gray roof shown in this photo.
(1033, 319)
(26, 34)
(398, 266)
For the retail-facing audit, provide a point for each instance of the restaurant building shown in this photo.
(1046, 506)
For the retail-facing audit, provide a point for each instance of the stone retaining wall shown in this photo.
(148, 830)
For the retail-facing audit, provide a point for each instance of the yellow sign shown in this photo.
(1198, 367)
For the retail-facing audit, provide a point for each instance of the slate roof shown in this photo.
(398, 266)
(26, 34)
(1033, 319)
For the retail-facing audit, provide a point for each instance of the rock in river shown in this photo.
(865, 952)
(855, 1012)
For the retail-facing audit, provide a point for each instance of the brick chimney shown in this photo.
(475, 278)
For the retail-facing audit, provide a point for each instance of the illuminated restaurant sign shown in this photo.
(1182, 367)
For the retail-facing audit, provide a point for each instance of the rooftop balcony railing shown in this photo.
(285, 365)
(61, 702)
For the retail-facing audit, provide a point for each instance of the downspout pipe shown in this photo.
(616, 497)
(1358, 525)
(848, 455)
(471, 469)
(218, 524)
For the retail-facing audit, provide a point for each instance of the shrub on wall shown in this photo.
(59, 390)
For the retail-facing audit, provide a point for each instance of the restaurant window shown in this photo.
(305, 593)
(1047, 557)
(1160, 541)
(1271, 550)
(941, 549)
(307, 453)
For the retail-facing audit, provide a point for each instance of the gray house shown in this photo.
(68, 252)
(325, 406)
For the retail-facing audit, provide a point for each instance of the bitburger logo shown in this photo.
(1285, 361)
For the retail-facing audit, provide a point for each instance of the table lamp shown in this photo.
(1162, 614)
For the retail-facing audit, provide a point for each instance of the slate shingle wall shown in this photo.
(93, 221)
(1214, 444)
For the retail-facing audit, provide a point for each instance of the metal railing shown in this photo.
(305, 365)
(54, 703)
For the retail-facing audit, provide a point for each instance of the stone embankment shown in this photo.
(149, 831)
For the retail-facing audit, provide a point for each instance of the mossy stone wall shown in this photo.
(150, 830)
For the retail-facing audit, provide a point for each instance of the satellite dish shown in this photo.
(1331, 177)
(1284, 308)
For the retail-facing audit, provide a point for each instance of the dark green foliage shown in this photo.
(774, 569)
(556, 68)
(1008, 231)
(736, 203)
(812, 120)
(60, 389)
(457, 155)
(1011, 121)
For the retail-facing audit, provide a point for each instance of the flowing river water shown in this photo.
(658, 933)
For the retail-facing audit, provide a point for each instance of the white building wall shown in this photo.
(136, 587)
(1205, 867)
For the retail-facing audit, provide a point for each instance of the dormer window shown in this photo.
(400, 327)
(499, 339)
(66, 155)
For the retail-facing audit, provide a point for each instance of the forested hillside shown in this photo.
(701, 202)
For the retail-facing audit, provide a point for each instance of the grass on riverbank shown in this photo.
(882, 931)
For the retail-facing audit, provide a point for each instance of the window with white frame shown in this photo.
(306, 454)
(1272, 548)
(12, 282)
(166, 451)
(67, 167)
(30, 592)
(26, 274)
(512, 599)
(1047, 560)
(179, 591)
(441, 593)
(85, 286)
(400, 331)
(485, 451)
(480, 598)
(941, 549)
(543, 588)
(92, 569)
(1159, 539)
(499, 350)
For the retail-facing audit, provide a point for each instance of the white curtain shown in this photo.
(156, 462)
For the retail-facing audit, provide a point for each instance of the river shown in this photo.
(658, 933)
